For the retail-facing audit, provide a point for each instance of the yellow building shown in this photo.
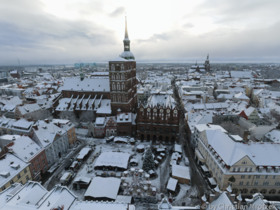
(13, 169)
(248, 167)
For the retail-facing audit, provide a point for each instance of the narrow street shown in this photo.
(54, 178)
(197, 179)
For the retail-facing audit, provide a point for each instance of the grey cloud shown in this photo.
(248, 44)
(117, 12)
(39, 37)
(188, 25)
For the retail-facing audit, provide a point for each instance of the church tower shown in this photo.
(207, 64)
(122, 73)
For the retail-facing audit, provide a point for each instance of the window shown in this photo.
(18, 176)
(27, 177)
(25, 171)
(258, 176)
(265, 183)
(256, 183)
(243, 177)
(241, 183)
(112, 67)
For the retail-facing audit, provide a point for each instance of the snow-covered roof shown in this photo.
(202, 127)
(80, 205)
(103, 188)
(261, 153)
(100, 120)
(114, 159)
(9, 137)
(172, 183)
(164, 100)
(221, 203)
(94, 84)
(181, 171)
(241, 96)
(47, 132)
(241, 74)
(273, 136)
(6, 194)
(127, 55)
(28, 108)
(25, 148)
(249, 110)
(10, 167)
(58, 197)
(23, 124)
(83, 153)
(178, 148)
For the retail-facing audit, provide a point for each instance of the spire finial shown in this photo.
(126, 33)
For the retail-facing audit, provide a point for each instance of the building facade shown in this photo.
(158, 119)
(249, 168)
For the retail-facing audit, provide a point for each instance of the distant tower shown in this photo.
(207, 64)
(122, 73)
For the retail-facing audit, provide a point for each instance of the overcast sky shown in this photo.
(69, 31)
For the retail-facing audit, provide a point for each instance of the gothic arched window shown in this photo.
(112, 67)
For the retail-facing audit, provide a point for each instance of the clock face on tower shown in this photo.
(148, 109)
(155, 110)
(175, 111)
(168, 111)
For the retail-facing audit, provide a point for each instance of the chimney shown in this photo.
(212, 197)
(204, 202)
(246, 136)
(239, 200)
(35, 127)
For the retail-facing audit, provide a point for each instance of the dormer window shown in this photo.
(5, 174)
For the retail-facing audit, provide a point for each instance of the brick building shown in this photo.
(122, 74)
(31, 153)
(158, 119)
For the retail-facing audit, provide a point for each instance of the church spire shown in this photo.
(126, 33)
(126, 41)
(126, 44)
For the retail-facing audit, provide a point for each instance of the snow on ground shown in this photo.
(163, 170)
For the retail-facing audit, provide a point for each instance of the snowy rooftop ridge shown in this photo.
(261, 153)
(87, 84)
(114, 159)
(163, 100)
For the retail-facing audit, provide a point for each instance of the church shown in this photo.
(108, 94)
